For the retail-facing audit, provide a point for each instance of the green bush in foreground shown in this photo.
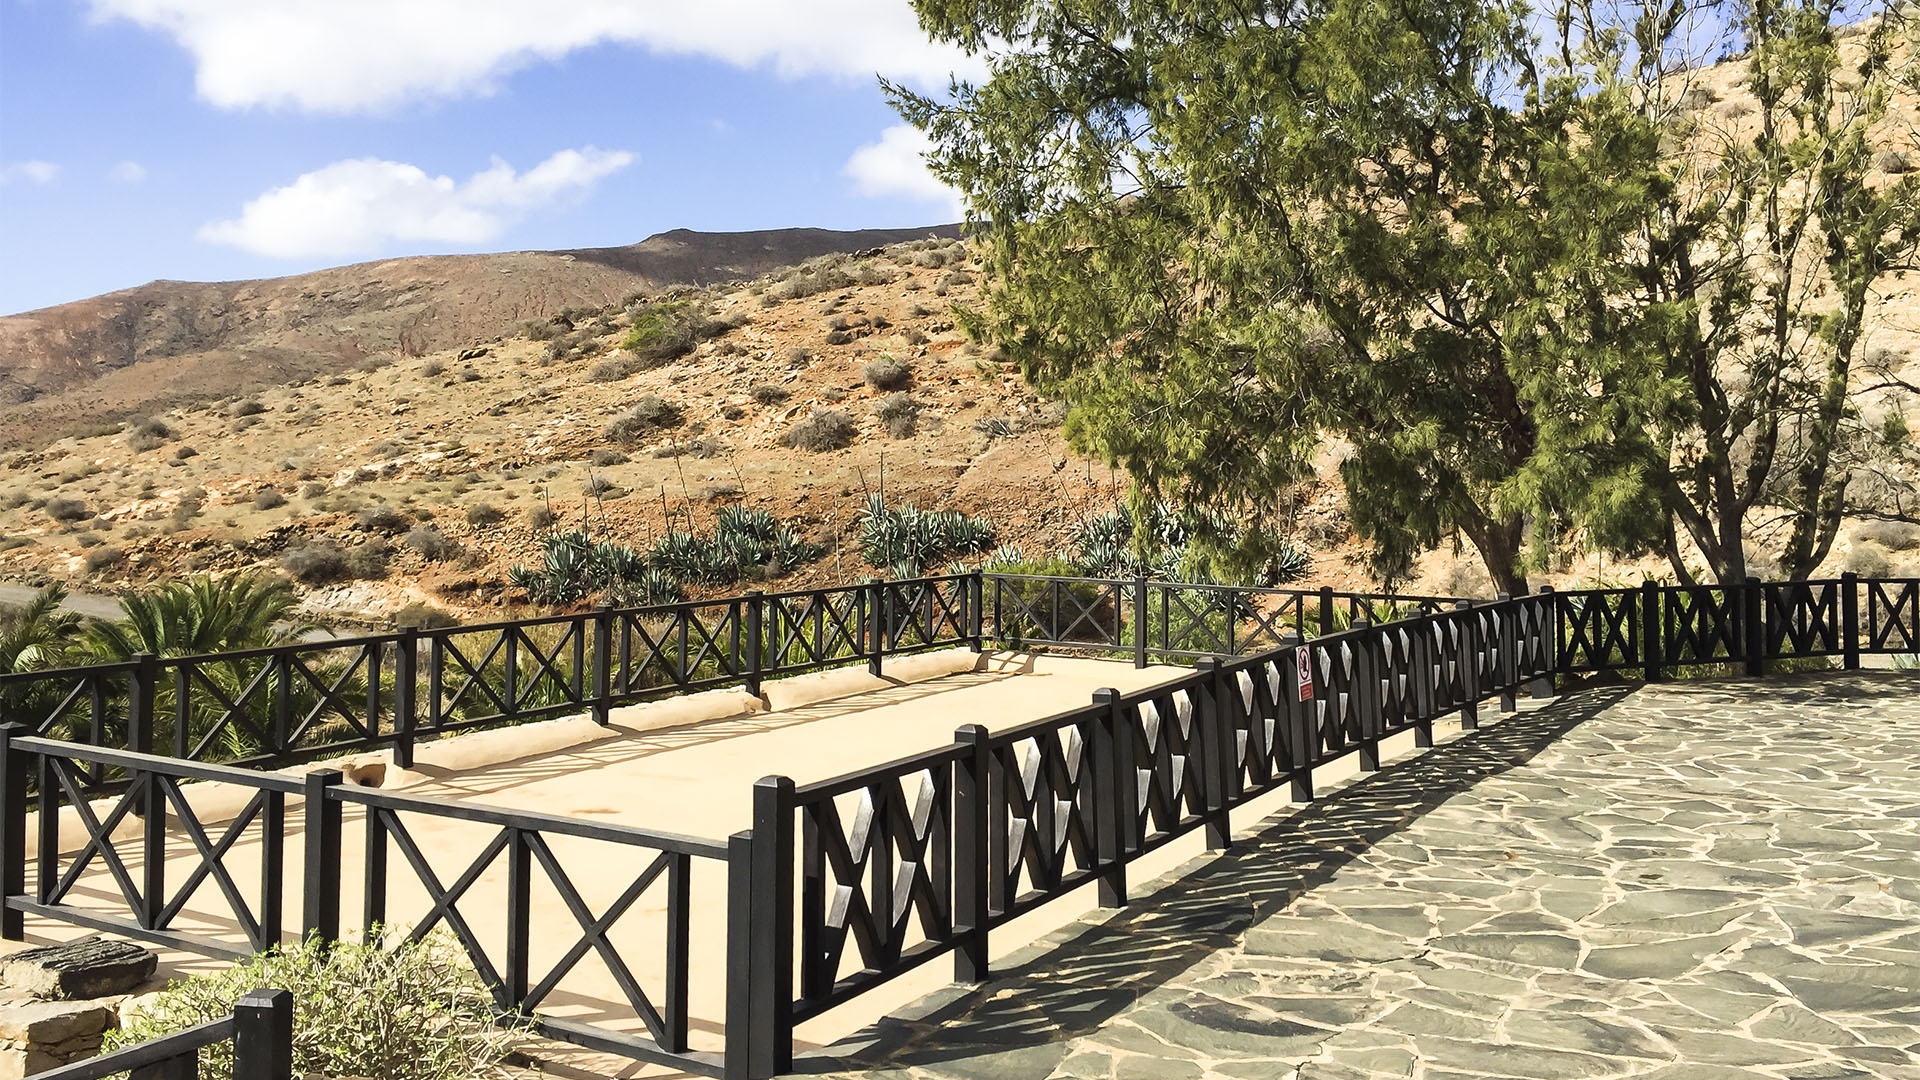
(415, 1012)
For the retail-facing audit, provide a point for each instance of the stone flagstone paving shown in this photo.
(1705, 881)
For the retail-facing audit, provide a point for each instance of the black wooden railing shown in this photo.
(842, 885)
(282, 706)
(260, 1027)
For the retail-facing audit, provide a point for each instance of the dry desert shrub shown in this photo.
(824, 430)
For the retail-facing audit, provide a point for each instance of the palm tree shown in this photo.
(36, 637)
(39, 635)
(204, 616)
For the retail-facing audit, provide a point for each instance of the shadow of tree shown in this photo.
(1087, 974)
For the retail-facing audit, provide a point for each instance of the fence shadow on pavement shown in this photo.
(1077, 984)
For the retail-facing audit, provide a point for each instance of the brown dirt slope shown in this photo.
(166, 343)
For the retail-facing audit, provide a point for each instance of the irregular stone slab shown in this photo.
(1678, 882)
(92, 967)
(48, 1022)
(1532, 950)
(1657, 960)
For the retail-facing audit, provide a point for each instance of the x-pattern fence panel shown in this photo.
(506, 672)
(1802, 618)
(1600, 629)
(274, 705)
(875, 870)
(499, 860)
(815, 628)
(148, 904)
(1700, 625)
(928, 611)
(1893, 616)
(1073, 611)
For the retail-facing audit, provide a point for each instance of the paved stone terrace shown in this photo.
(1710, 881)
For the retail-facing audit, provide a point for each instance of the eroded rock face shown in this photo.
(92, 967)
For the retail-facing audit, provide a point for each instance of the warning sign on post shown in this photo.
(1303, 663)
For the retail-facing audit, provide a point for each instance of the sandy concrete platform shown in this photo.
(691, 773)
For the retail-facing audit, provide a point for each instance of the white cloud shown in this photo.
(351, 55)
(128, 172)
(356, 207)
(33, 172)
(896, 167)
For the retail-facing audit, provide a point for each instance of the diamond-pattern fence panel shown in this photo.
(876, 876)
(1164, 727)
(1043, 811)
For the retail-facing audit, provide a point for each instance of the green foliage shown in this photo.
(1455, 235)
(664, 330)
(906, 540)
(204, 615)
(200, 615)
(747, 543)
(1171, 545)
(413, 1012)
(37, 636)
(574, 567)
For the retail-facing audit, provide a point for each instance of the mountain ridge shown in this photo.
(167, 343)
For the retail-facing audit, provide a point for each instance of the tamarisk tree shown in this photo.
(1724, 344)
(1462, 240)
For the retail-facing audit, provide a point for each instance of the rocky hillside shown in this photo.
(79, 366)
(427, 477)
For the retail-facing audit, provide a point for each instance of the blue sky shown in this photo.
(221, 139)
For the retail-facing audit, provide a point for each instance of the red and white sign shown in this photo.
(1303, 662)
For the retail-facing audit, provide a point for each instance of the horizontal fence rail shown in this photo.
(260, 1028)
(842, 885)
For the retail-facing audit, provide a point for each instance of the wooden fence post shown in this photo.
(263, 1036)
(406, 708)
(1652, 652)
(756, 641)
(321, 910)
(1468, 650)
(1211, 721)
(603, 665)
(1364, 693)
(1753, 603)
(970, 858)
(1850, 621)
(743, 1031)
(13, 827)
(772, 947)
(1297, 718)
(1140, 620)
(877, 625)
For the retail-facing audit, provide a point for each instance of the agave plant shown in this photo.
(907, 536)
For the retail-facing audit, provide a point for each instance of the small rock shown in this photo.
(89, 968)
